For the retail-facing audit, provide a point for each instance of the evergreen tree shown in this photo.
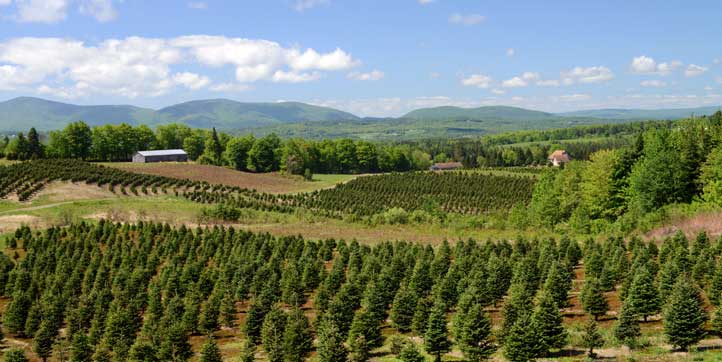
(330, 343)
(558, 284)
(43, 341)
(520, 298)
(643, 297)
(475, 335)
(717, 321)
(436, 338)
(365, 324)
(684, 316)
(359, 350)
(591, 338)
(522, 342)
(211, 309)
(411, 354)
(297, 338)
(15, 355)
(272, 333)
(80, 348)
(254, 320)
(593, 299)
(175, 345)
(228, 310)
(715, 288)
(403, 308)
(248, 353)
(627, 328)
(35, 148)
(421, 315)
(548, 322)
(142, 351)
(16, 312)
(210, 351)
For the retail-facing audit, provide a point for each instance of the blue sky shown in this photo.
(373, 58)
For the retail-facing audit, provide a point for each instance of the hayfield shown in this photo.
(264, 182)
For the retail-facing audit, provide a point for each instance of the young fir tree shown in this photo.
(643, 296)
(684, 316)
(403, 308)
(522, 342)
(211, 309)
(142, 350)
(228, 310)
(520, 298)
(475, 335)
(591, 338)
(43, 341)
(436, 338)
(365, 324)
(548, 322)
(297, 338)
(359, 350)
(717, 321)
(411, 354)
(715, 287)
(330, 343)
(558, 284)
(210, 351)
(248, 352)
(80, 348)
(254, 320)
(174, 345)
(627, 330)
(15, 355)
(421, 315)
(593, 300)
(272, 332)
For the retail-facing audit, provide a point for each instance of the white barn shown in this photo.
(160, 156)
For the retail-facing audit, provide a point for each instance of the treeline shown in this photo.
(138, 292)
(119, 142)
(664, 166)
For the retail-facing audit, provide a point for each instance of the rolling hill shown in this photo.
(480, 113)
(640, 114)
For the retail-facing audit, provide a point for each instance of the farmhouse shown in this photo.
(443, 166)
(160, 156)
(559, 157)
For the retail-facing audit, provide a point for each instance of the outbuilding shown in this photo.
(160, 156)
(559, 157)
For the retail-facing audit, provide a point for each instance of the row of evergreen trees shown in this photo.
(138, 292)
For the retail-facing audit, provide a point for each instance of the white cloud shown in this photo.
(426, 2)
(101, 10)
(548, 83)
(41, 11)
(716, 61)
(5, 2)
(372, 75)
(229, 87)
(574, 97)
(302, 5)
(281, 76)
(198, 5)
(135, 66)
(586, 75)
(477, 80)
(510, 52)
(191, 81)
(498, 91)
(694, 70)
(515, 82)
(647, 65)
(654, 83)
(466, 19)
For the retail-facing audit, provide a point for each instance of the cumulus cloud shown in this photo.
(477, 80)
(653, 83)
(647, 65)
(101, 10)
(586, 75)
(303, 5)
(694, 70)
(54, 11)
(137, 66)
(466, 19)
(372, 75)
(230, 87)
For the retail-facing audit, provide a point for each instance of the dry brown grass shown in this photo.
(709, 222)
(265, 182)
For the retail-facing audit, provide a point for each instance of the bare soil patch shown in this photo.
(13, 222)
(265, 182)
(710, 222)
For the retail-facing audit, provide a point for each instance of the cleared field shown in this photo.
(264, 182)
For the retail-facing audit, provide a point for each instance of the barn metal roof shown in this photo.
(162, 153)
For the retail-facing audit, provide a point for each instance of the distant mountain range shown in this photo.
(299, 119)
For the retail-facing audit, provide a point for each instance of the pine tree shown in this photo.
(627, 328)
(548, 322)
(558, 284)
(522, 342)
(142, 351)
(175, 345)
(16, 312)
(360, 350)
(403, 308)
(297, 338)
(15, 355)
(43, 341)
(715, 287)
(520, 298)
(684, 316)
(643, 297)
(591, 338)
(228, 310)
(272, 332)
(411, 354)
(254, 320)
(475, 335)
(717, 321)
(421, 315)
(248, 353)
(330, 343)
(211, 309)
(191, 311)
(593, 299)
(210, 351)
(365, 324)
(436, 338)
(80, 348)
